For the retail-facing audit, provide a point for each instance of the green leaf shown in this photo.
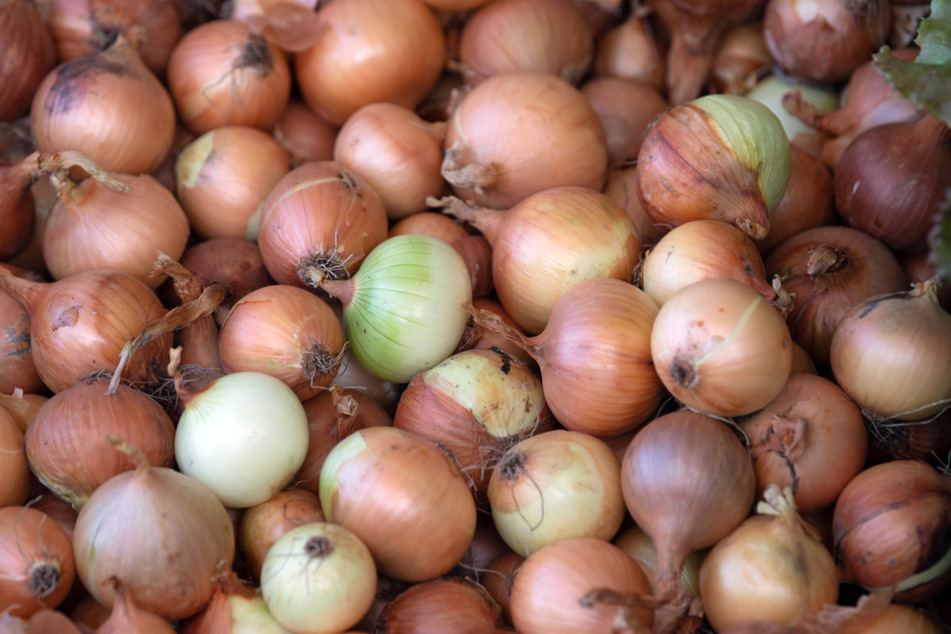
(940, 240)
(926, 82)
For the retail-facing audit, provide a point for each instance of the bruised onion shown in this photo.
(688, 482)
(722, 157)
(719, 347)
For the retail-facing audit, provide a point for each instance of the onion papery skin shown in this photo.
(519, 35)
(890, 354)
(36, 561)
(892, 179)
(284, 331)
(369, 51)
(220, 73)
(698, 250)
(94, 105)
(626, 107)
(163, 533)
(719, 347)
(66, 440)
(264, 523)
(17, 369)
(550, 242)
(488, 338)
(556, 485)
(332, 415)
(79, 325)
(384, 484)
(808, 201)
(721, 157)
(318, 578)
(828, 270)
(319, 220)
(890, 528)
(29, 54)
(825, 41)
(794, 441)
(244, 437)
(13, 463)
(403, 309)
(82, 27)
(477, 403)
(223, 177)
(510, 137)
(397, 153)
(550, 583)
(448, 604)
(95, 227)
(770, 568)
(687, 481)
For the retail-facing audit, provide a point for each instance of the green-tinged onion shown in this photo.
(403, 308)
(244, 437)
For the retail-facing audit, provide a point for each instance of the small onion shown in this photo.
(304, 135)
(318, 578)
(404, 307)
(404, 497)
(451, 605)
(633, 50)
(721, 348)
(626, 107)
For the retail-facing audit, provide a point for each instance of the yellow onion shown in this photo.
(447, 604)
(13, 463)
(722, 157)
(28, 54)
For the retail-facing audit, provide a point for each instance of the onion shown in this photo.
(244, 436)
(721, 348)
(432, 223)
(319, 220)
(741, 58)
(698, 250)
(477, 404)
(390, 488)
(890, 529)
(551, 591)
(828, 270)
(126, 616)
(28, 55)
(477, 336)
(771, 91)
(807, 202)
(36, 561)
(286, 332)
(497, 580)
(639, 545)
(404, 308)
(548, 36)
(264, 523)
(17, 369)
(825, 41)
(164, 534)
(96, 226)
(903, 618)
(17, 207)
(626, 108)
(109, 107)
(318, 578)
(224, 175)
(66, 440)
(449, 605)
(332, 415)
(696, 29)
(80, 324)
(721, 157)
(221, 73)
(236, 606)
(549, 242)
(519, 133)
(83, 27)
(368, 51)
(772, 567)
(688, 482)
(556, 485)
(288, 23)
(21, 406)
(811, 439)
(621, 187)
(631, 49)
(892, 179)
(597, 373)
(304, 135)
(890, 353)
(15, 485)
(396, 152)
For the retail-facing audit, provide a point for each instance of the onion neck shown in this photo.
(342, 290)
(24, 291)
(487, 221)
